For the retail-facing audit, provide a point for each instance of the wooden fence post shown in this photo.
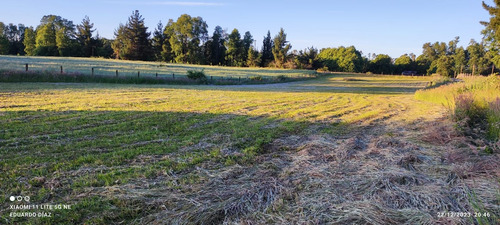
(138, 74)
(116, 73)
(92, 71)
(61, 70)
(26, 67)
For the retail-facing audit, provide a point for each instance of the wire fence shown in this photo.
(118, 71)
(54, 72)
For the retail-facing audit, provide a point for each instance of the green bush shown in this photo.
(196, 75)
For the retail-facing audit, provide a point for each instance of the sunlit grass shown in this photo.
(475, 96)
(484, 89)
(81, 137)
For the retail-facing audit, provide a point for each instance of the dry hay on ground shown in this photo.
(318, 179)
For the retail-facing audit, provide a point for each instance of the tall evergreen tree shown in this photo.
(444, 65)
(121, 43)
(157, 41)
(253, 58)
(280, 49)
(478, 63)
(137, 32)
(216, 49)
(167, 54)
(84, 37)
(234, 49)
(459, 60)
(63, 43)
(29, 41)
(247, 42)
(267, 52)
(491, 31)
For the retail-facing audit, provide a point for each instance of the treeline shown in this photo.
(54, 36)
(439, 57)
(187, 40)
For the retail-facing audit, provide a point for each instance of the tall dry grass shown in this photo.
(473, 102)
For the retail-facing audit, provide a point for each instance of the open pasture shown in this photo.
(130, 68)
(338, 149)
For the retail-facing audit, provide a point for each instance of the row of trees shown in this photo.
(54, 36)
(186, 40)
(439, 57)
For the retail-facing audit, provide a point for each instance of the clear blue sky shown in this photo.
(393, 27)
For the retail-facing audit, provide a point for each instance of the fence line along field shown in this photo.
(130, 68)
(342, 149)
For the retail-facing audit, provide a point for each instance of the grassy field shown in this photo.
(130, 68)
(344, 149)
(473, 100)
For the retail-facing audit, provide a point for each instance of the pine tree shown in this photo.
(267, 54)
(253, 58)
(216, 50)
(234, 49)
(63, 43)
(121, 43)
(139, 47)
(84, 36)
(491, 31)
(478, 63)
(158, 41)
(247, 42)
(29, 41)
(167, 54)
(280, 49)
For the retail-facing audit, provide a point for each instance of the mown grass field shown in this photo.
(130, 68)
(338, 149)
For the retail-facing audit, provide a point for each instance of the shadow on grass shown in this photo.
(321, 84)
